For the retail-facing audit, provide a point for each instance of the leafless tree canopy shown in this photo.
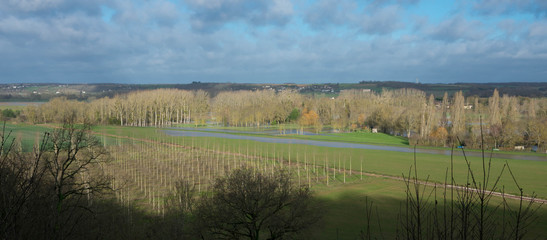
(49, 192)
(252, 205)
(509, 120)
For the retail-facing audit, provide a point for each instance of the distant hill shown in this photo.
(524, 89)
(43, 92)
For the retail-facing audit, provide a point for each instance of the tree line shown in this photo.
(506, 121)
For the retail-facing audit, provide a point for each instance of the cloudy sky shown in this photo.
(274, 41)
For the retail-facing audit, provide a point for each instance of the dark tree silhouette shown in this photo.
(48, 193)
(252, 205)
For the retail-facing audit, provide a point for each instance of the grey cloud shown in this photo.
(164, 13)
(457, 28)
(31, 5)
(382, 21)
(160, 13)
(70, 29)
(538, 30)
(211, 15)
(137, 46)
(331, 12)
(378, 16)
(380, 3)
(509, 26)
(498, 7)
(515, 30)
(33, 8)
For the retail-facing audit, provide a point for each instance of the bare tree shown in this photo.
(73, 155)
(494, 109)
(48, 192)
(458, 115)
(20, 177)
(253, 205)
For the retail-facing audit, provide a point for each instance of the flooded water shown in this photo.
(216, 133)
(265, 131)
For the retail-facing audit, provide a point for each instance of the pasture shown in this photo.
(433, 166)
(146, 164)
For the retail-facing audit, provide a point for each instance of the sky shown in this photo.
(272, 41)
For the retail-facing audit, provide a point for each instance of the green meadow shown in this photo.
(26, 134)
(14, 108)
(344, 200)
(345, 207)
(530, 174)
(356, 137)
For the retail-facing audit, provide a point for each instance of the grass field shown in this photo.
(345, 206)
(14, 108)
(529, 173)
(357, 137)
(150, 161)
(27, 134)
(350, 137)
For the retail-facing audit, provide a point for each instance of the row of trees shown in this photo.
(506, 120)
(255, 108)
(163, 107)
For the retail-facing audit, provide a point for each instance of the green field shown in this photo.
(14, 108)
(344, 203)
(27, 134)
(357, 137)
(350, 137)
(345, 206)
(529, 173)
